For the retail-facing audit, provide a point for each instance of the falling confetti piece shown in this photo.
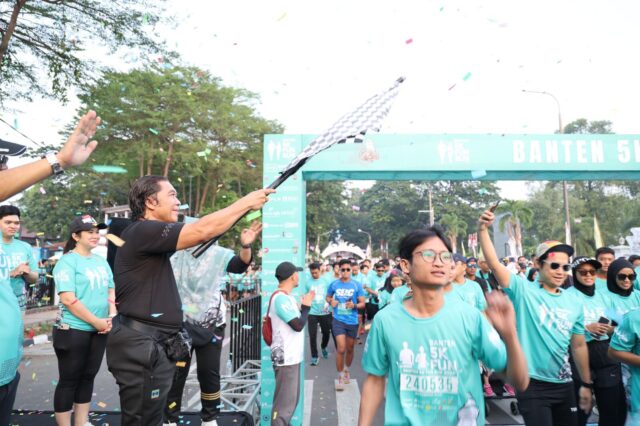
(117, 241)
(154, 131)
(220, 406)
(467, 76)
(54, 382)
(33, 376)
(284, 15)
(109, 169)
(454, 85)
(181, 364)
(247, 326)
(475, 174)
(101, 404)
(173, 404)
(183, 206)
(241, 311)
(253, 215)
(234, 319)
(88, 201)
(43, 191)
(156, 315)
(482, 191)
(409, 41)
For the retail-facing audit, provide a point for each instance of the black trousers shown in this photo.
(371, 310)
(325, 328)
(548, 404)
(142, 371)
(7, 398)
(208, 367)
(79, 356)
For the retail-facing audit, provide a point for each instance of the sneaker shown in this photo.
(509, 389)
(314, 361)
(346, 377)
(488, 391)
(325, 353)
(340, 384)
(210, 423)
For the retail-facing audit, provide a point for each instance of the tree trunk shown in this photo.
(150, 161)
(13, 21)
(141, 164)
(204, 197)
(168, 161)
(197, 209)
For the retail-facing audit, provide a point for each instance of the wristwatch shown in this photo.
(56, 168)
(245, 246)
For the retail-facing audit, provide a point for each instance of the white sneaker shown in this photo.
(210, 423)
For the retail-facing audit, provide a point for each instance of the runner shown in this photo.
(604, 255)
(429, 349)
(320, 313)
(469, 290)
(345, 297)
(375, 282)
(607, 376)
(549, 322)
(87, 303)
(625, 347)
(623, 297)
(393, 281)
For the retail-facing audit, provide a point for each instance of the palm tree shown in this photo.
(454, 226)
(517, 214)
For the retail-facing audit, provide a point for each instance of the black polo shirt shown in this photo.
(145, 285)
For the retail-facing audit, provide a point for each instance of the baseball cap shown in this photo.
(472, 259)
(85, 223)
(457, 257)
(553, 246)
(584, 259)
(285, 270)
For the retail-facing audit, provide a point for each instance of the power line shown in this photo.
(41, 145)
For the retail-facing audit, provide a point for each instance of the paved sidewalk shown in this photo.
(40, 316)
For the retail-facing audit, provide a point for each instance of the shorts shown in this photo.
(338, 328)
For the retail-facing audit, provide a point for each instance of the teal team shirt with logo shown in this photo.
(90, 278)
(627, 338)
(375, 283)
(12, 255)
(398, 293)
(432, 364)
(593, 307)
(471, 292)
(620, 305)
(11, 333)
(384, 298)
(319, 305)
(344, 292)
(545, 324)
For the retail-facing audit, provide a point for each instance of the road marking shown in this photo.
(308, 400)
(348, 403)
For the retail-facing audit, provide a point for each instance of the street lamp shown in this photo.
(565, 192)
(369, 247)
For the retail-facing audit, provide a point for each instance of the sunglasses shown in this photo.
(630, 277)
(379, 270)
(345, 270)
(429, 256)
(585, 272)
(554, 265)
(472, 265)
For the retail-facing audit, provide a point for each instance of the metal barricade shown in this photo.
(245, 331)
(41, 293)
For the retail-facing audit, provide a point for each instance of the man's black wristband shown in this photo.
(245, 246)
(587, 385)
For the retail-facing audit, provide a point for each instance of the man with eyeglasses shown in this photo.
(429, 347)
(345, 296)
(549, 322)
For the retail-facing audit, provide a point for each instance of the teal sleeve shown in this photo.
(110, 276)
(489, 347)
(361, 292)
(624, 339)
(64, 276)
(578, 326)
(481, 302)
(33, 264)
(516, 288)
(375, 359)
(285, 308)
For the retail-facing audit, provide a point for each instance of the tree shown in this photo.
(516, 215)
(454, 227)
(325, 204)
(43, 42)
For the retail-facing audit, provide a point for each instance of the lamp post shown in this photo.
(369, 235)
(565, 191)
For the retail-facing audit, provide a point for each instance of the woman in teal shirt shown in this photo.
(85, 284)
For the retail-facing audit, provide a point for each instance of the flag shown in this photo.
(352, 126)
(597, 236)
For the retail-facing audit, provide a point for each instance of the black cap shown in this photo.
(457, 257)
(285, 270)
(584, 259)
(85, 223)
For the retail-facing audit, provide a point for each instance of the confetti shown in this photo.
(251, 164)
(467, 76)
(482, 191)
(183, 206)
(33, 376)
(475, 174)
(54, 382)
(284, 15)
(454, 85)
(253, 215)
(42, 191)
(108, 169)
(173, 404)
(117, 241)
(101, 404)
(355, 208)
(156, 315)
(88, 201)
(241, 311)
(234, 319)
(154, 131)
(181, 364)
(220, 406)
(247, 326)
(409, 41)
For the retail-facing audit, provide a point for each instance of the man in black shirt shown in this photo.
(149, 306)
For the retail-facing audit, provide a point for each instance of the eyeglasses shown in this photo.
(554, 265)
(630, 277)
(429, 256)
(345, 270)
(379, 270)
(472, 265)
(585, 272)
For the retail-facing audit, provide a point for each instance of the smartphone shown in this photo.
(494, 207)
(603, 320)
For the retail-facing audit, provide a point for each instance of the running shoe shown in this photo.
(488, 391)
(340, 384)
(314, 361)
(346, 377)
(509, 389)
(325, 353)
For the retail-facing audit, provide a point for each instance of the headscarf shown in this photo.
(586, 289)
(612, 284)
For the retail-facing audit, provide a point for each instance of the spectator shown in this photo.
(604, 255)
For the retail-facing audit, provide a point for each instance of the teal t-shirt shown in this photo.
(344, 292)
(319, 306)
(593, 307)
(375, 283)
(12, 255)
(384, 298)
(399, 293)
(90, 278)
(11, 333)
(636, 283)
(620, 305)
(432, 364)
(545, 325)
(472, 293)
(601, 284)
(627, 338)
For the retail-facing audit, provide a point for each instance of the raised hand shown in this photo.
(500, 313)
(257, 199)
(486, 220)
(249, 235)
(77, 149)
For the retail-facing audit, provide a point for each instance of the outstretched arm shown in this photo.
(501, 273)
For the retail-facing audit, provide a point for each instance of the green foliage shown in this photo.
(47, 51)
(325, 204)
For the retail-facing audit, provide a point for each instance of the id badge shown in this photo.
(63, 327)
(342, 309)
